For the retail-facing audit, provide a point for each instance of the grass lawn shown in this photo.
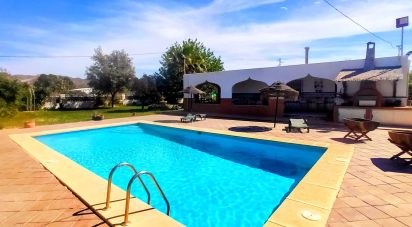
(48, 117)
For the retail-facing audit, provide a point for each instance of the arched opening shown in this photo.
(247, 93)
(211, 95)
(296, 84)
(315, 95)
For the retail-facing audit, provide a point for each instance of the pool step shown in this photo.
(129, 187)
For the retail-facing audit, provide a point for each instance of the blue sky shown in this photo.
(246, 34)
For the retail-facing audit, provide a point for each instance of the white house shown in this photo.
(369, 82)
(86, 90)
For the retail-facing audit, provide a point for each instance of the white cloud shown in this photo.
(151, 28)
(225, 6)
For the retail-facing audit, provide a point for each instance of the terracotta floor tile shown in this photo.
(354, 202)
(336, 217)
(404, 186)
(405, 220)
(406, 196)
(21, 217)
(373, 181)
(406, 207)
(351, 214)
(403, 179)
(339, 203)
(38, 205)
(337, 224)
(64, 204)
(35, 224)
(393, 211)
(96, 223)
(12, 206)
(391, 198)
(364, 223)
(389, 188)
(76, 214)
(390, 222)
(372, 213)
(5, 215)
(372, 200)
(46, 216)
(61, 224)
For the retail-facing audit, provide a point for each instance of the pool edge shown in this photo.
(316, 192)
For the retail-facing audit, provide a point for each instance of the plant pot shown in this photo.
(29, 124)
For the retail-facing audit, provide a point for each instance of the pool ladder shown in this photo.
(136, 175)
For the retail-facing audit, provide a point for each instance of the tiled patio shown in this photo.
(375, 191)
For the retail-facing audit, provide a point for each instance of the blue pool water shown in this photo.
(209, 179)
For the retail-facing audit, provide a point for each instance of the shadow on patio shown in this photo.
(167, 121)
(395, 166)
(250, 129)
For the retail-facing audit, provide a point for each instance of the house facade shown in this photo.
(369, 82)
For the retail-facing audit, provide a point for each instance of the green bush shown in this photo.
(7, 110)
(12, 95)
(410, 91)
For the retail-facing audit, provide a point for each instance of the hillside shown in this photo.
(78, 82)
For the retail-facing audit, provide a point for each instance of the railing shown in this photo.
(129, 187)
(109, 183)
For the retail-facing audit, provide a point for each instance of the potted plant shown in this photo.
(30, 123)
(97, 117)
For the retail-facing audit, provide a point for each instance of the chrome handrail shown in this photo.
(129, 187)
(109, 182)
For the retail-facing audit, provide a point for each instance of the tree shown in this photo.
(47, 85)
(145, 89)
(191, 56)
(110, 74)
(12, 93)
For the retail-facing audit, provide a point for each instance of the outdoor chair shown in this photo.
(359, 127)
(201, 116)
(297, 123)
(403, 140)
(188, 118)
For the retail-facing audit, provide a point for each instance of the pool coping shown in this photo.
(314, 194)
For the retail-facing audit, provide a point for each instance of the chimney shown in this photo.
(370, 56)
(306, 55)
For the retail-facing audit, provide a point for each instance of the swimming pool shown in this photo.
(209, 179)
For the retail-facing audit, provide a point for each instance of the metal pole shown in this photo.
(402, 43)
(276, 110)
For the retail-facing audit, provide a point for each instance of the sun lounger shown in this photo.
(201, 116)
(359, 127)
(297, 123)
(188, 118)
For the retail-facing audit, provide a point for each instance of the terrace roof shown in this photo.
(383, 73)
